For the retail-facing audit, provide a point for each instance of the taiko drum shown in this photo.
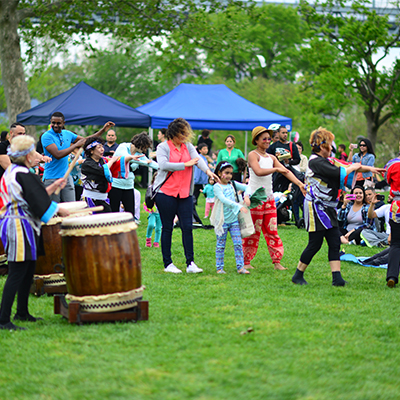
(102, 261)
(52, 241)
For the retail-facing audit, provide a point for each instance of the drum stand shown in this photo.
(72, 311)
(39, 288)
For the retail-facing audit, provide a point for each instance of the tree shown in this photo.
(59, 20)
(341, 63)
(229, 43)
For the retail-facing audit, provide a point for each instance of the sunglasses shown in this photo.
(363, 145)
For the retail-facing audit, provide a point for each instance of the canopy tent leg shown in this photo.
(150, 173)
(245, 145)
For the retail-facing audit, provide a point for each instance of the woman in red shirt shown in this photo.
(176, 158)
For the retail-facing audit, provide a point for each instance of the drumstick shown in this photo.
(71, 166)
(92, 209)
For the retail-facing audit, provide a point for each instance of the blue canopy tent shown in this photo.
(214, 107)
(83, 105)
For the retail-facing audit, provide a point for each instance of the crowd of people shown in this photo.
(102, 173)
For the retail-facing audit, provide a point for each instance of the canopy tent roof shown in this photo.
(214, 107)
(83, 105)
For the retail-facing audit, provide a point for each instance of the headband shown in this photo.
(91, 145)
(20, 153)
(225, 164)
(314, 143)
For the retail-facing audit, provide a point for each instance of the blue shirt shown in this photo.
(208, 191)
(200, 177)
(124, 149)
(57, 168)
(226, 194)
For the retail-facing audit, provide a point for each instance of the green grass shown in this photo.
(313, 342)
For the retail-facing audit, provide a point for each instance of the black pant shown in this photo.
(168, 207)
(20, 275)
(315, 240)
(355, 235)
(394, 252)
(125, 196)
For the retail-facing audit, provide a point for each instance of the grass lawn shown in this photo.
(311, 342)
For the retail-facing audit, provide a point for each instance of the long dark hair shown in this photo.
(370, 148)
(361, 188)
(221, 166)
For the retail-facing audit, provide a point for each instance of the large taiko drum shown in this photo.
(45, 265)
(102, 261)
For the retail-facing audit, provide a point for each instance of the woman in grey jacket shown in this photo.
(176, 158)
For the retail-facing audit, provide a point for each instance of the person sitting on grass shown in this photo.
(353, 217)
(26, 205)
(323, 181)
(225, 216)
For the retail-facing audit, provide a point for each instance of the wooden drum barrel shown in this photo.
(53, 248)
(102, 261)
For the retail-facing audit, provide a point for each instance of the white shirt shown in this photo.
(384, 211)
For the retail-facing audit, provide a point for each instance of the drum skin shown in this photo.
(52, 248)
(102, 264)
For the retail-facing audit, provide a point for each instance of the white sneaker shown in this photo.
(171, 268)
(193, 268)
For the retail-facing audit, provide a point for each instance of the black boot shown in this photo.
(298, 278)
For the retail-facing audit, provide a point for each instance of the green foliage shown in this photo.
(227, 43)
(130, 73)
(315, 342)
(340, 65)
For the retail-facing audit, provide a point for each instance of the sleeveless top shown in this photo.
(256, 181)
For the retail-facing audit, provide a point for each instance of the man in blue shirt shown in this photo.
(58, 143)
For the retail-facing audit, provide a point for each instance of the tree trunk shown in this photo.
(13, 76)
(372, 127)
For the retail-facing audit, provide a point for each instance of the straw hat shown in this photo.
(258, 130)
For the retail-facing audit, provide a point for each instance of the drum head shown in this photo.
(73, 205)
(107, 223)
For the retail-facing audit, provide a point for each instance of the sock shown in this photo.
(298, 278)
(337, 279)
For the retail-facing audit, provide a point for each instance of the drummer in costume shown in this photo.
(393, 179)
(323, 180)
(26, 205)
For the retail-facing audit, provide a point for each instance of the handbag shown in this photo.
(151, 193)
(245, 221)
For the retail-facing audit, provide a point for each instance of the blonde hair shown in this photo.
(179, 126)
(319, 138)
(21, 143)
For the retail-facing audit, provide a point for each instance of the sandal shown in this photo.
(220, 271)
(243, 270)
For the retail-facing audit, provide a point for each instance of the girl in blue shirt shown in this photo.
(225, 216)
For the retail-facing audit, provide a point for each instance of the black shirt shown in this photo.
(3, 151)
(285, 148)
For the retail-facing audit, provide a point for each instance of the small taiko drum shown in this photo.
(102, 263)
(46, 266)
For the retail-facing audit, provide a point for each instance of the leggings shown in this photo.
(355, 235)
(315, 240)
(209, 208)
(20, 275)
(154, 222)
(125, 196)
(394, 252)
(234, 229)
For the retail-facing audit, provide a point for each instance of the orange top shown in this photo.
(179, 183)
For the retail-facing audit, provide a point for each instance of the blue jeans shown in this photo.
(168, 207)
